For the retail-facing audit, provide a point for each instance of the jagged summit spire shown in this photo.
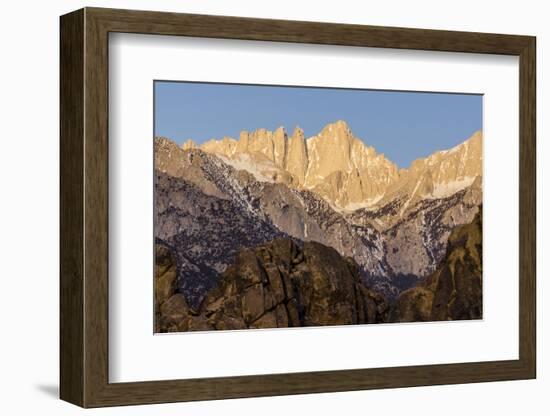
(297, 158)
(189, 144)
(298, 131)
(337, 127)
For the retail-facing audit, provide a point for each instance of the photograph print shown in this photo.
(291, 206)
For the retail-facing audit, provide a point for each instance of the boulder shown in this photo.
(413, 305)
(253, 303)
(165, 274)
(175, 314)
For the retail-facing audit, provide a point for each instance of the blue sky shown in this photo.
(402, 125)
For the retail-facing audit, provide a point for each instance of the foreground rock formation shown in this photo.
(278, 284)
(454, 290)
(287, 284)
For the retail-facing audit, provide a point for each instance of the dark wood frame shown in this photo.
(84, 208)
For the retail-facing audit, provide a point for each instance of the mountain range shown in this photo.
(343, 170)
(215, 199)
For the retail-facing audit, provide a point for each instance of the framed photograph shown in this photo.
(255, 207)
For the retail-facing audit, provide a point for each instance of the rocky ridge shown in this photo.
(344, 171)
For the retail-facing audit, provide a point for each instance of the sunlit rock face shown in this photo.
(345, 171)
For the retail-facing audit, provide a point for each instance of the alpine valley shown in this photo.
(272, 230)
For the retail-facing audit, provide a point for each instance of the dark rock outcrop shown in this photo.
(165, 274)
(454, 290)
(280, 284)
(165, 281)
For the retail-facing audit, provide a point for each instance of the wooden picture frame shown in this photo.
(84, 207)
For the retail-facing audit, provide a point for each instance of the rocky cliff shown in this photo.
(454, 290)
(277, 284)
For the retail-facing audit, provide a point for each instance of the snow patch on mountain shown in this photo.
(443, 190)
(244, 161)
(354, 206)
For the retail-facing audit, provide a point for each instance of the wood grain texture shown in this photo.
(96, 219)
(84, 207)
(71, 208)
(225, 27)
(527, 208)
